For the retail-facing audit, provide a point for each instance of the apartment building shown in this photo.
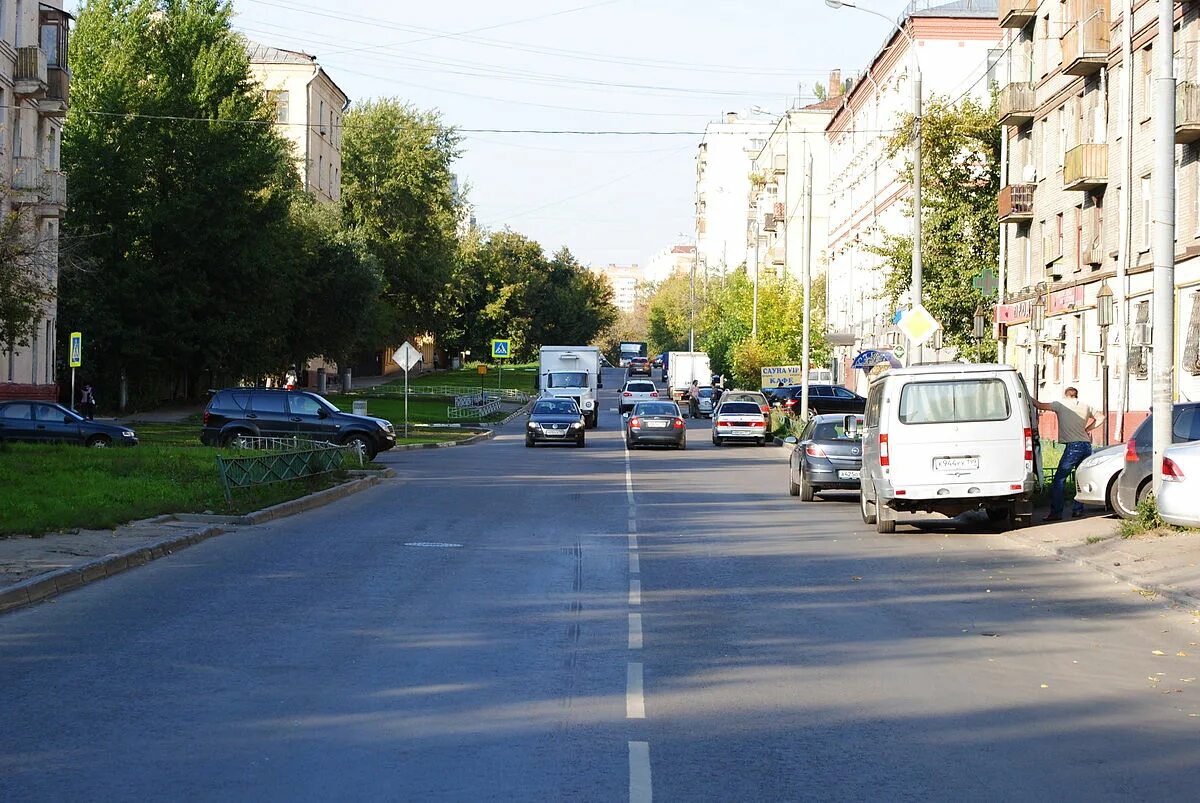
(34, 84)
(308, 111)
(627, 282)
(676, 260)
(956, 48)
(776, 222)
(724, 161)
(1077, 107)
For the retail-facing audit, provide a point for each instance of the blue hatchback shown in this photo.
(47, 422)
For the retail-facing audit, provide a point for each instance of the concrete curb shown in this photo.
(476, 438)
(524, 408)
(51, 584)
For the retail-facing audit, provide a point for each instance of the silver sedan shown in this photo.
(1096, 477)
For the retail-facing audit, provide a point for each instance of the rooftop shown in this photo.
(265, 54)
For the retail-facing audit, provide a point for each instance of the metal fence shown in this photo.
(478, 411)
(282, 460)
(510, 395)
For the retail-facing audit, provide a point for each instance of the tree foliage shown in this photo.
(398, 195)
(26, 265)
(960, 181)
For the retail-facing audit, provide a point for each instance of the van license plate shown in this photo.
(955, 463)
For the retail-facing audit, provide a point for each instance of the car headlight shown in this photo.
(534, 425)
(1092, 462)
(127, 433)
(576, 425)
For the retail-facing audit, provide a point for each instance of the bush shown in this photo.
(1146, 520)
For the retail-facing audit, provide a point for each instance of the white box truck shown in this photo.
(683, 367)
(572, 372)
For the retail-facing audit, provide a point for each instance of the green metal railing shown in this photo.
(286, 459)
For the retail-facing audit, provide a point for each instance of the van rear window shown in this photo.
(954, 401)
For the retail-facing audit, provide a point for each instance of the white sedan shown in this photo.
(1096, 477)
(637, 390)
(1181, 485)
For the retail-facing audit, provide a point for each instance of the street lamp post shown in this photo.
(978, 330)
(1105, 312)
(1037, 322)
(917, 270)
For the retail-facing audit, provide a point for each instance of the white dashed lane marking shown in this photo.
(635, 631)
(634, 563)
(639, 773)
(635, 592)
(635, 703)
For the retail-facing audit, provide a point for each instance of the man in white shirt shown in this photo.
(1076, 420)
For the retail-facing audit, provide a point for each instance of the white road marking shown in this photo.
(633, 539)
(640, 790)
(635, 704)
(433, 544)
(635, 592)
(629, 483)
(634, 564)
(635, 631)
(632, 522)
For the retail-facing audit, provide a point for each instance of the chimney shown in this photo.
(731, 117)
(835, 84)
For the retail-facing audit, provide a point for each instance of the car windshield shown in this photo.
(555, 407)
(567, 379)
(640, 387)
(705, 393)
(740, 408)
(656, 408)
(954, 401)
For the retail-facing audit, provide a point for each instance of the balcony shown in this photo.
(1051, 250)
(1017, 13)
(776, 256)
(1015, 203)
(57, 93)
(1085, 167)
(1187, 112)
(30, 77)
(1085, 44)
(768, 222)
(1016, 103)
(53, 198)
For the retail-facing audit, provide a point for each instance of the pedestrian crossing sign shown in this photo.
(76, 359)
(501, 349)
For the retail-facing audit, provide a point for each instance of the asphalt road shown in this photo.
(562, 624)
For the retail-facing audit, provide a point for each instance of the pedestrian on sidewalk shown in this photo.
(1076, 420)
(87, 402)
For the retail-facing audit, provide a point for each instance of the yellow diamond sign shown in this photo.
(918, 325)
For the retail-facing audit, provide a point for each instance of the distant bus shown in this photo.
(630, 349)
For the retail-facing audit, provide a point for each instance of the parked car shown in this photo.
(657, 362)
(1177, 501)
(739, 421)
(827, 457)
(47, 422)
(822, 399)
(947, 439)
(640, 366)
(273, 413)
(1096, 477)
(1134, 481)
(555, 420)
(655, 422)
(754, 397)
(636, 390)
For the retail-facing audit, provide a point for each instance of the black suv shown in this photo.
(822, 399)
(253, 412)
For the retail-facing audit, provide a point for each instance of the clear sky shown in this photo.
(593, 65)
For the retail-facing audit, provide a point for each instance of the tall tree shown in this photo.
(397, 191)
(181, 188)
(960, 181)
(26, 266)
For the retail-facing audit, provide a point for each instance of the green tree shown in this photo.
(182, 202)
(25, 288)
(397, 192)
(667, 315)
(960, 181)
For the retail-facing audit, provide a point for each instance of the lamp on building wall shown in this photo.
(1106, 308)
(916, 295)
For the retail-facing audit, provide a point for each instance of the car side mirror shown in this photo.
(66, 419)
(322, 412)
(851, 426)
(792, 439)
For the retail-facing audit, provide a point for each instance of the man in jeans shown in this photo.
(1076, 420)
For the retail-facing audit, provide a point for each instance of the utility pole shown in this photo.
(692, 307)
(754, 304)
(806, 344)
(915, 356)
(1162, 394)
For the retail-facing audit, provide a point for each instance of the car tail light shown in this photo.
(654, 394)
(722, 423)
(1171, 472)
(813, 450)
(766, 410)
(758, 423)
(901, 493)
(885, 458)
(678, 423)
(627, 394)
(790, 403)
(1131, 455)
(204, 418)
(1028, 443)
(635, 423)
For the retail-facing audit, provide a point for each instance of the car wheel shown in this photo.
(581, 443)
(363, 445)
(997, 514)
(683, 444)
(885, 519)
(716, 440)
(762, 441)
(232, 440)
(1110, 496)
(865, 507)
(807, 492)
(1144, 492)
(99, 442)
(1021, 515)
(528, 442)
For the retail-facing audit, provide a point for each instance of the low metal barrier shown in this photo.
(469, 400)
(478, 411)
(285, 459)
(510, 395)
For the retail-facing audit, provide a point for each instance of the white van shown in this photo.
(947, 439)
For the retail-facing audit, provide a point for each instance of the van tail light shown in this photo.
(813, 450)
(885, 458)
(678, 424)
(1171, 472)
(1131, 455)
(1028, 443)
(635, 423)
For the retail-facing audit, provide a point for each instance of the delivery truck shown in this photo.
(684, 366)
(572, 372)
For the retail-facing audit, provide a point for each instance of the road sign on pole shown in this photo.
(918, 325)
(407, 357)
(76, 360)
(501, 349)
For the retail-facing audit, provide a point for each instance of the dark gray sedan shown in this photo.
(826, 457)
(1134, 481)
(655, 422)
(555, 420)
(46, 422)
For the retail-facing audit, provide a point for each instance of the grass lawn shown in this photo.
(50, 488)
(421, 410)
(517, 377)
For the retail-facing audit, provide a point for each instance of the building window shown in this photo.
(1146, 200)
(1060, 146)
(1058, 233)
(320, 170)
(321, 118)
(1147, 80)
(49, 351)
(281, 105)
(1080, 242)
